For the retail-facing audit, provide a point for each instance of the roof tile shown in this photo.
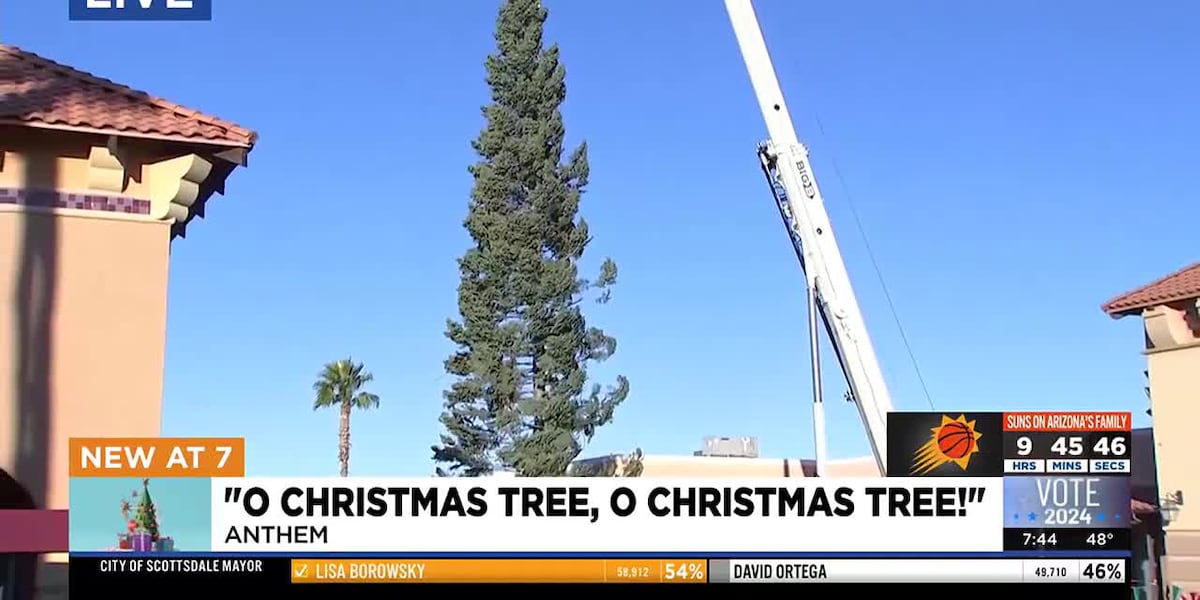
(40, 92)
(1180, 285)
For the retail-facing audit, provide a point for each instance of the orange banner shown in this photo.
(368, 570)
(158, 457)
(1067, 421)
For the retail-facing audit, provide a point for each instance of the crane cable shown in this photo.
(875, 264)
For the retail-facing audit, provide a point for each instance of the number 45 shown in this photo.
(1067, 446)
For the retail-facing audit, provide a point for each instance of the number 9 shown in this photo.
(1024, 446)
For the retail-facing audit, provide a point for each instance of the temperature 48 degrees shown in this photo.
(1104, 571)
(692, 570)
(1099, 539)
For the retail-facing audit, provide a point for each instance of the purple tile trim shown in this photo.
(34, 531)
(51, 199)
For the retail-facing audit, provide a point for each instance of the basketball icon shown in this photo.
(955, 440)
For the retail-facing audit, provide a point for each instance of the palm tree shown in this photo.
(340, 384)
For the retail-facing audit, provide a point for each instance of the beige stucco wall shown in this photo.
(718, 466)
(64, 161)
(83, 325)
(107, 310)
(1175, 403)
(85, 230)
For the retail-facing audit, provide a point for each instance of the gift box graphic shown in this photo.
(143, 542)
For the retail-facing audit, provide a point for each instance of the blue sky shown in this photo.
(183, 503)
(1013, 165)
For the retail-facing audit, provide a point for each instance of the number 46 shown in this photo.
(1105, 446)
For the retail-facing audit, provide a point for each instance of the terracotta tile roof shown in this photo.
(1180, 285)
(38, 92)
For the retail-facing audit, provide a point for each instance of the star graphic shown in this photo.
(1032, 516)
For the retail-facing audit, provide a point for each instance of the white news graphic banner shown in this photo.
(497, 515)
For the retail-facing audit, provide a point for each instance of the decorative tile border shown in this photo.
(52, 199)
(34, 530)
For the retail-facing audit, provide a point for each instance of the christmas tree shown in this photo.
(146, 516)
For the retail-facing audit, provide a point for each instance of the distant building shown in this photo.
(729, 457)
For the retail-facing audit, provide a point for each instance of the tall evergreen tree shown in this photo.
(524, 345)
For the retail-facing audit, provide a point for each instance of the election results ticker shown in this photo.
(294, 573)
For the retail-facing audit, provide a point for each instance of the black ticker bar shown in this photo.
(1067, 540)
(93, 577)
(89, 579)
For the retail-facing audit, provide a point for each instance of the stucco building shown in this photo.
(712, 462)
(96, 180)
(1168, 309)
(664, 465)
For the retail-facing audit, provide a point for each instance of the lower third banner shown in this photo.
(606, 515)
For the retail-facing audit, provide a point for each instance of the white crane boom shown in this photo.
(785, 162)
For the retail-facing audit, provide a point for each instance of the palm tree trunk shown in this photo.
(344, 439)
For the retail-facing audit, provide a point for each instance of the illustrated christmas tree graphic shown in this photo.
(146, 515)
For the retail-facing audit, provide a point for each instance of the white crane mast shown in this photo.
(785, 162)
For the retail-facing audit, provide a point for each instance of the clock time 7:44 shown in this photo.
(1039, 539)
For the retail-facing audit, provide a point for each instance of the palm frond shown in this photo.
(366, 400)
(341, 381)
(326, 394)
